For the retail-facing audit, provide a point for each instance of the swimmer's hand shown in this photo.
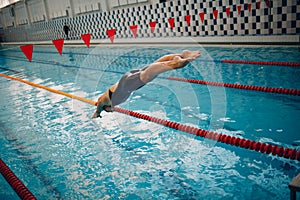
(106, 108)
(96, 114)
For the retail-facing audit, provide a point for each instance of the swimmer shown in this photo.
(135, 79)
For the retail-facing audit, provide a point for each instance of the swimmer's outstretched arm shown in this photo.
(176, 62)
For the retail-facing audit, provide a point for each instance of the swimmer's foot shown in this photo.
(179, 62)
(190, 54)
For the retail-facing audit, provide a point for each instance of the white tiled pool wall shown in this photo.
(246, 18)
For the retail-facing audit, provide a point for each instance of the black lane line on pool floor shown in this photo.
(17, 147)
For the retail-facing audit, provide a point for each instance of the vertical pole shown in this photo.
(71, 9)
(13, 14)
(46, 10)
(271, 17)
(104, 5)
(27, 12)
(2, 19)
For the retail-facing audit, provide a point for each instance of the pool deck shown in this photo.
(289, 40)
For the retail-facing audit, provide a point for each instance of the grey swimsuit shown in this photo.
(129, 82)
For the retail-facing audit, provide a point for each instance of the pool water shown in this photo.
(59, 152)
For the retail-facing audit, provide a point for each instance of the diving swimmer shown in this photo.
(137, 78)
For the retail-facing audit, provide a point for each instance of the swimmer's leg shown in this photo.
(157, 68)
(184, 54)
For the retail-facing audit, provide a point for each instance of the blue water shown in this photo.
(54, 147)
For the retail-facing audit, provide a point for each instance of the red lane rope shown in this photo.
(286, 91)
(290, 64)
(15, 182)
(280, 151)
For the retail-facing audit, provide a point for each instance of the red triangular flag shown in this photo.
(59, 45)
(267, 3)
(188, 19)
(249, 7)
(216, 14)
(152, 26)
(111, 34)
(202, 17)
(228, 12)
(258, 5)
(171, 22)
(134, 30)
(239, 9)
(86, 38)
(27, 50)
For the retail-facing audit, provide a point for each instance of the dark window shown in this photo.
(279, 10)
(231, 27)
(258, 18)
(284, 3)
(284, 17)
(279, 24)
(284, 30)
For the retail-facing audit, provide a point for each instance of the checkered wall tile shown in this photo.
(220, 18)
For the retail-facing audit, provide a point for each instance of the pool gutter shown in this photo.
(278, 40)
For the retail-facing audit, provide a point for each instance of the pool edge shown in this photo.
(271, 40)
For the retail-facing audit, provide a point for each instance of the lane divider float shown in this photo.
(265, 148)
(15, 182)
(290, 64)
(286, 91)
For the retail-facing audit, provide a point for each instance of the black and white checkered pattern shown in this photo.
(278, 17)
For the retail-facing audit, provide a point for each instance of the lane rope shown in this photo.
(289, 64)
(17, 185)
(286, 91)
(265, 148)
(49, 89)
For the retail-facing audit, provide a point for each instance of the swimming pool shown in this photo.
(54, 147)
